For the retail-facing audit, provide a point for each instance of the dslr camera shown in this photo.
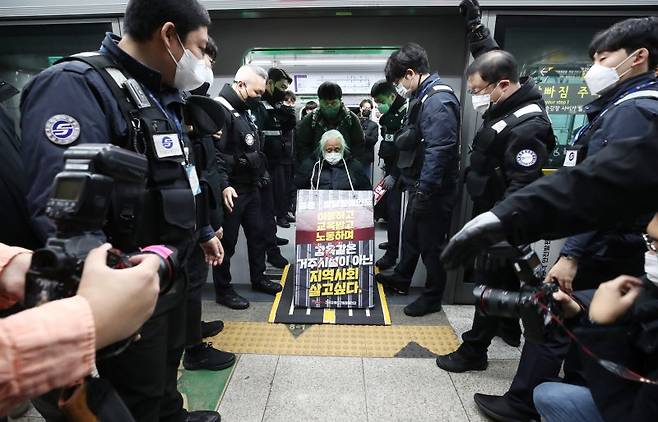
(534, 303)
(99, 191)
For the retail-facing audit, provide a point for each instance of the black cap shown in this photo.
(277, 74)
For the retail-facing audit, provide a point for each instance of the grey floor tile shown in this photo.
(248, 390)
(410, 390)
(317, 389)
(398, 317)
(495, 380)
(461, 319)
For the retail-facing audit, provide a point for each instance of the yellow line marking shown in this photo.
(382, 299)
(277, 298)
(329, 316)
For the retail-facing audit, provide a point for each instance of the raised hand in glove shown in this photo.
(478, 234)
(389, 182)
(470, 10)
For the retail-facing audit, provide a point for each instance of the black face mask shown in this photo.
(252, 102)
(278, 95)
(366, 113)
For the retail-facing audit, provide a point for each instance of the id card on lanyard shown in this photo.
(171, 145)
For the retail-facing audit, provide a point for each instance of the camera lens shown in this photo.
(497, 302)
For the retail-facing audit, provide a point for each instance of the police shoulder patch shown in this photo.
(249, 139)
(62, 129)
(526, 158)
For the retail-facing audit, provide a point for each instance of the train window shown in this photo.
(553, 50)
(28, 49)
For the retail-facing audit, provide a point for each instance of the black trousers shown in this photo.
(281, 184)
(269, 219)
(393, 208)
(145, 375)
(247, 213)
(197, 270)
(425, 236)
(542, 362)
(476, 341)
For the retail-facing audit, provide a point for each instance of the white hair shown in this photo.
(333, 134)
(245, 73)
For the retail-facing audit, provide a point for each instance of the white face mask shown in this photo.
(191, 72)
(209, 77)
(402, 91)
(481, 103)
(332, 158)
(651, 267)
(600, 78)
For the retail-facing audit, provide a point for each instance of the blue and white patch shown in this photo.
(167, 145)
(526, 158)
(249, 139)
(62, 129)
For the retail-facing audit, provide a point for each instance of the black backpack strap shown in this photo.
(115, 78)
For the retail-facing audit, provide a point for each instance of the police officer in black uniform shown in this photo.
(272, 122)
(130, 94)
(429, 158)
(204, 118)
(602, 192)
(370, 134)
(508, 152)
(242, 174)
(393, 108)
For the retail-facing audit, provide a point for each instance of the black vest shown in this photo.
(241, 149)
(485, 181)
(168, 210)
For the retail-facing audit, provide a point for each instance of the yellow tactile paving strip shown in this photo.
(333, 340)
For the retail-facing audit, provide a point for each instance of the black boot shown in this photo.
(457, 361)
(230, 298)
(394, 282)
(290, 217)
(276, 259)
(387, 261)
(499, 409)
(204, 356)
(282, 222)
(422, 306)
(211, 328)
(281, 241)
(383, 246)
(266, 286)
(203, 416)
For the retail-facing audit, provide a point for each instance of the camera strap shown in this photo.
(612, 367)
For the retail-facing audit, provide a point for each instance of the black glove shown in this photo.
(478, 234)
(421, 205)
(470, 10)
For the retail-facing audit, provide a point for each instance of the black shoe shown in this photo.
(394, 282)
(281, 241)
(282, 222)
(231, 299)
(277, 260)
(385, 262)
(457, 362)
(204, 356)
(267, 286)
(203, 416)
(499, 409)
(510, 339)
(290, 217)
(383, 246)
(422, 306)
(211, 328)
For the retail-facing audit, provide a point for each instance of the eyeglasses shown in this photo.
(479, 90)
(652, 244)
